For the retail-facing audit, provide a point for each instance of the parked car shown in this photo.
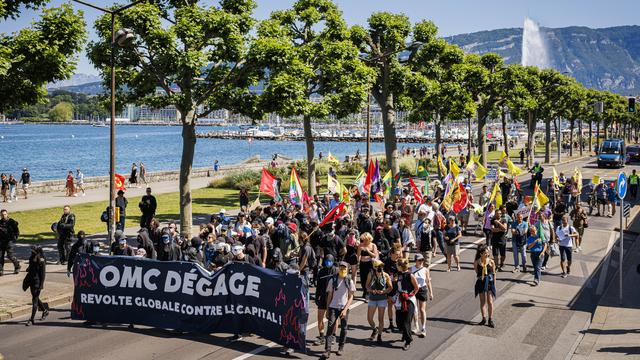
(633, 153)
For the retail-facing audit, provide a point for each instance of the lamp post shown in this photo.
(121, 38)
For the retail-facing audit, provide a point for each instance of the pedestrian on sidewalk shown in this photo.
(216, 166)
(485, 285)
(612, 198)
(34, 281)
(148, 206)
(65, 229)
(143, 173)
(4, 187)
(9, 233)
(133, 178)
(519, 231)
(121, 203)
(565, 234)
(425, 292)
(378, 285)
(25, 180)
(536, 247)
(633, 184)
(70, 185)
(80, 181)
(13, 184)
(340, 291)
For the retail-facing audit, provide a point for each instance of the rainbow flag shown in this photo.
(296, 194)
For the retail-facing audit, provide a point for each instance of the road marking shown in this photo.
(313, 325)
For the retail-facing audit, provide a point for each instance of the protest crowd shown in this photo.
(374, 241)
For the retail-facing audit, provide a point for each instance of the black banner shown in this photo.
(239, 298)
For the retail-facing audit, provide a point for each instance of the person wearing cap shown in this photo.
(326, 272)
(407, 287)
(378, 285)
(340, 290)
(425, 292)
(25, 180)
(121, 203)
(148, 206)
(65, 230)
(123, 248)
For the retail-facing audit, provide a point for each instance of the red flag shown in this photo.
(333, 214)
(119, 182)
(462, 203)
(268, 184)
(367, 182)
(516, 183)
(416, 193)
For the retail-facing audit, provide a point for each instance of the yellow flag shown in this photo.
(453, 167)
(556, 180)
(332, 159)
(495, 190)
(480, 172)
(443, 169)
(502, 174)
(595, 179)
(577, 176)
(346, 196)
(503, 156)
(540, 199)
(514, 170)
(498, 199)
(471, 165)
(333, 184)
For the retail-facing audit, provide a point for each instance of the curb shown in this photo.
(26, 309)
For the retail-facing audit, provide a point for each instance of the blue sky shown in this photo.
(451, 16)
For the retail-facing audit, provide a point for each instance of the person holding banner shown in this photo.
(340, 290)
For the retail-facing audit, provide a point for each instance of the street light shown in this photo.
(121, 38)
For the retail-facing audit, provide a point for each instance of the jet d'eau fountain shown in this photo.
(534, 46)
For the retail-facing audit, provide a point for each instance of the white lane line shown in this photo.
(313, 325)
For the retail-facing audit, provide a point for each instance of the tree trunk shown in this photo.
(504, 132)
(580, 137)
(598, 135)
(188, 150)
(531, 127)
(438, 142)
(590, 136)
(482, 135)
(311, 162)
(604, 125)
(547, 141)
(390, 140)
(571, 126)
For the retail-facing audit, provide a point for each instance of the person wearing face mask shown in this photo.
(34, 281)
(378, 285)
(332, 244)
(81, 246)
(117, 236)
(407, 287)
(144, 242)
(194, 253)
(221, 255)
(381, 243)
(351, 257)
(326, 272)
(169, 250)
(237, 251)
(340, 290)
(123, 248)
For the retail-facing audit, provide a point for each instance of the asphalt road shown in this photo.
(453, 308)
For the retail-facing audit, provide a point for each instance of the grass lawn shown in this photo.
(35, 225)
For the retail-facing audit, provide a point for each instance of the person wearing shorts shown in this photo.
(565, 234)
(378, 286)
(452, 235)
(423, 278)
(326, 272)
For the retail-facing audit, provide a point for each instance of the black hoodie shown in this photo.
(145, 242)
(170, 251)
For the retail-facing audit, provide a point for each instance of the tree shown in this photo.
(195, 54)
(37, 55)
(314, 68)
(381, 44)
(63, 111)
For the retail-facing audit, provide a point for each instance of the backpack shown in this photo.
(439, 221)
(335, 279)
(105, 216)
(425, 238)
(282, 236)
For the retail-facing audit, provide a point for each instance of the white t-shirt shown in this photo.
(563, 233)
(420, 275)
(341, 293)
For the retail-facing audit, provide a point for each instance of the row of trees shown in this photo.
(61, 105)
(311, 65)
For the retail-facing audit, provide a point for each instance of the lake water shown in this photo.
(50, 151)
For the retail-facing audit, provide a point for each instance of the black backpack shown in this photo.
(425, 239)
(283, 237)
(335, 279)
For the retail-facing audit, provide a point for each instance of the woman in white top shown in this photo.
(423, 278)
(565, 234)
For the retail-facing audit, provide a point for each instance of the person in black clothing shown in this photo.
(391, 233)
(81, 246)
(65, 230)
(9, 233)
(407, 287)
(193, 253)
(365, 223)
(391, 268)
(25, 180)
(276, 261)
(148, 206)
(169, 250)
(34, 281)
(381, 243)
(123, 249)
(332, 244)
(325, 273)
(244, 198)
(145, 242)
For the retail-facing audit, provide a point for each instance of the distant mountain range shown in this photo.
(605, 59)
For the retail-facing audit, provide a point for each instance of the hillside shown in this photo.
(606, 59)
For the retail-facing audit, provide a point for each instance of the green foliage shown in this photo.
(86, 107)
(245, 179)
(63, 111)
(350, 168)
(39, 54)
(408, 166)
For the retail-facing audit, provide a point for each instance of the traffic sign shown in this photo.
(622, 185)
(626, 210)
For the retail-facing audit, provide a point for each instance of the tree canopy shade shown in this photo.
(188, 54)
(39, 54)
(63, 111)
(11, 8)
(313, 67)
